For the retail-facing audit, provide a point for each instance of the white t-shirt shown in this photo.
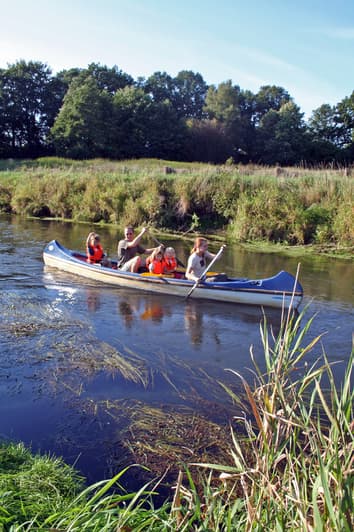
(197, 264)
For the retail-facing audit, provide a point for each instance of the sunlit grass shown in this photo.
(288, 205)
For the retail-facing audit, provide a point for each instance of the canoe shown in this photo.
(280, 291)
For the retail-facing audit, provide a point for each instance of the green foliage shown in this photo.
(343, 225)
(270, 212)
(80, 130)
(33, 487)
(316, 220)
(102, 111)
(295, 472)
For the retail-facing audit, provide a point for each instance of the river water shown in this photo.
(80, 361)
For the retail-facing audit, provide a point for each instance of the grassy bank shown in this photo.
(290, 466)
(291, 206)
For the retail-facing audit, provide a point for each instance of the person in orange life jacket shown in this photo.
(94, 250)
(169, 261)
(155, 261)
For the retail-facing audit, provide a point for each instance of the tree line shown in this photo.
(100, 111)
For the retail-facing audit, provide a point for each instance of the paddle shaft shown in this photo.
(219, 253)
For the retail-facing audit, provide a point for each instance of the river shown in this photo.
(80, 361)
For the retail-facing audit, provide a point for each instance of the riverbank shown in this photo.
(307, 210)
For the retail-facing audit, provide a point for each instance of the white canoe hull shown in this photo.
(264, 292)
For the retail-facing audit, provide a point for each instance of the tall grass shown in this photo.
(292, 206)
(296, 470)
(291, 464)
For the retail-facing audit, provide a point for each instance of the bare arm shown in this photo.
(137, 239)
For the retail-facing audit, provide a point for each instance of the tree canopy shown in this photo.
(100, 111)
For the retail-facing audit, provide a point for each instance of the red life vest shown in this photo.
(97, 253)
(169, 265)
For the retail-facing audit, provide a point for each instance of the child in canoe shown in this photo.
(162, 262)
(94, 250)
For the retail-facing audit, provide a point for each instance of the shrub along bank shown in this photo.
(292, 206)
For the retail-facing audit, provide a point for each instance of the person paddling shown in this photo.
(197, 261)
(130, 251)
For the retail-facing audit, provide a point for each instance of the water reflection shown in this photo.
(154, 311)
(193, 320)
(93, 300)
(141, 309)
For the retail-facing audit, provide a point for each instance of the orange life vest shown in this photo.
(169, 265)
(157, 266)
(97, 253)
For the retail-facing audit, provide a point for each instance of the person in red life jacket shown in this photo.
(94, 250)
(169, 261)
(155, 261)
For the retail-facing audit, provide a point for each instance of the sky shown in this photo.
(304, 46)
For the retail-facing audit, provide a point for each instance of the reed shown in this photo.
(297, 473)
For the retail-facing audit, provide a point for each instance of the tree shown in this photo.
(186, 92)
(143, 127)
(160, 86)
(29, 101)
(207, 141)
(189, 94)
(109, 79)
(233, 108)
(82, 127)
(282, 136)
(269, 97)
(345, 109)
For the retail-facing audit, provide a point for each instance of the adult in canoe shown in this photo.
(130, 249)
(197, 260)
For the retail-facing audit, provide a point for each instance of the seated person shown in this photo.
(169, 261)
(94, 250)
(154, 262)
(197, 260)
(130, 251)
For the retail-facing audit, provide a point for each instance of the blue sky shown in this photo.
(304, 46)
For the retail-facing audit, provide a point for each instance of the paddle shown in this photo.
(219, 253)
